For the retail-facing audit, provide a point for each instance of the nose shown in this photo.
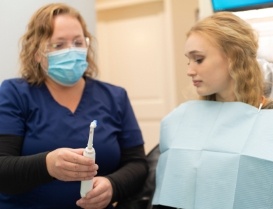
(71, 44)
(191, 72)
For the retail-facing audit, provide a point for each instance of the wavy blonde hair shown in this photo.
(237, 39)
(39, 31)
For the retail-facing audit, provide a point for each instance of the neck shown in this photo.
(61, 88)
(230, 98)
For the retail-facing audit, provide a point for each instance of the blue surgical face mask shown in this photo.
(67, 66)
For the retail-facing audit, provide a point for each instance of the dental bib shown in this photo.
(216, 155)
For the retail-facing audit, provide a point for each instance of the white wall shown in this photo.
(260, 19)
(205, 8)
(14, 16)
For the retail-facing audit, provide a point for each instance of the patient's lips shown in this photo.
(197, 83)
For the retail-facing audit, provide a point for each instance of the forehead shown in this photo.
(200, 43)
(66, 25)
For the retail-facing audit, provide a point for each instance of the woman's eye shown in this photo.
(79, 43)
(199, 60)
(58, 45)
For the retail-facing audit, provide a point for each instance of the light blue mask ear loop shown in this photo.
(261, 104)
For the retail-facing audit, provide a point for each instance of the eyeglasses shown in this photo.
(62, 44)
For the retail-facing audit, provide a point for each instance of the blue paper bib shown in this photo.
(216, 155)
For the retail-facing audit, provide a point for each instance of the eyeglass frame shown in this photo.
(55, 46)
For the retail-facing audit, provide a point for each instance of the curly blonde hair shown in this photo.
(39, 31)
(237, 39)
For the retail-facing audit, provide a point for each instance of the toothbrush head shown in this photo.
(93, 124)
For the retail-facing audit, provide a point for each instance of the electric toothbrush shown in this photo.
(89, 151)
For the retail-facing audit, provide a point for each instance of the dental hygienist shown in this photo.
(45, 117)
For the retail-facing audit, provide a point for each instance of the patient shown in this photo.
(203, 142)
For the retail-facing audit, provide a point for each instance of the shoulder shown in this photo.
(105, 85)
(182, 108)
(20, 86)
(20, 91)
(14, 84)
(103, 88)
(269, 105)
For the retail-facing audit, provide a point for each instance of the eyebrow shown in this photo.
(193, 52)
(64, 39)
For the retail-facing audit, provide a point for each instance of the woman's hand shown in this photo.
(99, 197)
(67, 164)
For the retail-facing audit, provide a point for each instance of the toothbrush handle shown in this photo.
(87, 185)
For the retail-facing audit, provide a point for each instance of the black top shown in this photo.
(126, 181)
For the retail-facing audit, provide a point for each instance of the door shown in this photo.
(134, 52)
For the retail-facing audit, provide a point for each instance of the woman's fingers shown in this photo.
(69, 165)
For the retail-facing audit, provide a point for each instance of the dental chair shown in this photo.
(143, 199)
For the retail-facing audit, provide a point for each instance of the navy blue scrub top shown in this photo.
(31, 112)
